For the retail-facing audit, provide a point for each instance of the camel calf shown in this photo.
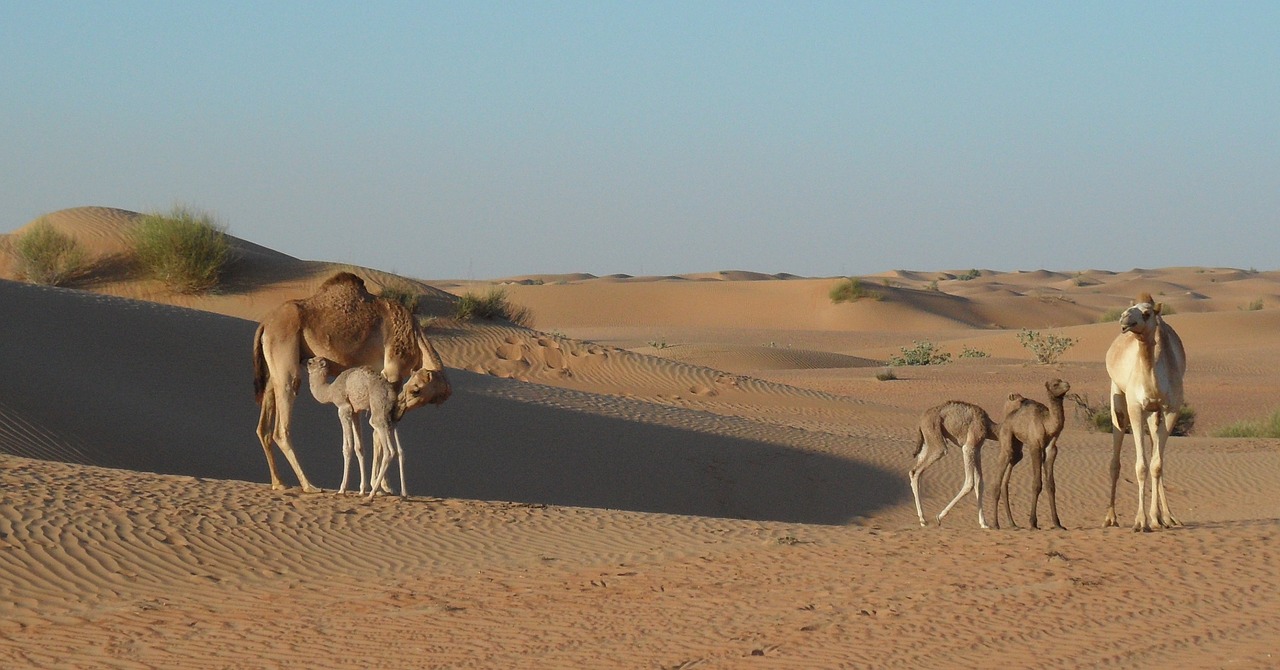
(959, 423)
(356, 390)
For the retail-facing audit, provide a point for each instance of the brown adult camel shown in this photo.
(1036, 427)
(346, 324)
(1146, 363)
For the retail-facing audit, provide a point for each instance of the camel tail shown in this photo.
(259, 367)
(919, 443)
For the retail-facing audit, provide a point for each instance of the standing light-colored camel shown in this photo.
(346, 324)
(361, 390)
(1146, 363)
(959, 423)
(1032, 425)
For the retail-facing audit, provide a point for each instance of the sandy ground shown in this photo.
(663, 472)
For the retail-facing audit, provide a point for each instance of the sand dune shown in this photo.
(690, 471)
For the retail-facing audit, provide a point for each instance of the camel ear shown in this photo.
(1159, 306)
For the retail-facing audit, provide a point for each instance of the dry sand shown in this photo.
(669, 472)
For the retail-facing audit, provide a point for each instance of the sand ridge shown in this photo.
(689, 471)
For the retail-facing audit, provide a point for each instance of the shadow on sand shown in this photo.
(140, 386)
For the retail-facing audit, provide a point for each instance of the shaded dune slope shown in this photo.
(170, 392)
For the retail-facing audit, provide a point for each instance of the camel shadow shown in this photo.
(133, 385)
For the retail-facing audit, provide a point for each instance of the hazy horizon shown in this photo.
(446, 140)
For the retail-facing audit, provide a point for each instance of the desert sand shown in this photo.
(659, 472)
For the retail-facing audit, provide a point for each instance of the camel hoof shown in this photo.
(312, 489)
(278, 487)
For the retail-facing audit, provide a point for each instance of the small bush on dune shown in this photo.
(185, 249)
(46, 256)
(1110, 316)
(886, 375)
(850, 290)
(1268, 427)
(402, 293)
(1047, 350)
(1098, 417)
(923, 353)
(970, 352)
(491, 305)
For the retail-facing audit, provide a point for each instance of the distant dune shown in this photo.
(636, 481)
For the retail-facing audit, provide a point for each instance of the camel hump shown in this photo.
(344, 278)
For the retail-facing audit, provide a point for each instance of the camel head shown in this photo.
(318, 364)
(424, 387)
(1142, 317)
(1057, 388)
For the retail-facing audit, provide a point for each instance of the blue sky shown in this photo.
(479, 140)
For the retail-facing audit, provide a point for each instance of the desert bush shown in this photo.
(921, 353)
(1268, 427)
(1098, 417)
(1047, 350)
(971, 274)
(491, 305)
(185, 249)
(403, 293)
(1111, 315)
(851, 289)
(46, 256)
(970, 352)
(1253, 306)
(886, 375)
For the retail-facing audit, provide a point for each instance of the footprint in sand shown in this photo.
(511, 351)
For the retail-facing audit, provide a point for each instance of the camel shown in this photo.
(1146, 363)
(960, 423)
(358, 390)
(1030, 424)
(346, 324)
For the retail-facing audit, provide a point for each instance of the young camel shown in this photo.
(1146, 363)
(346, 324)
(1032, 425)
(960, 423)
(358, 390)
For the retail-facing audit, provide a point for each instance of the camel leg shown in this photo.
(1050, 485)
(969, 450)
(1137, 419)
(266, 431)
(1159, 437)
(1037, 477)
(344, 417)
(395, 436)
(928, 456)
(1119, 424)
(1168, 516)
(356, 436)
(285, 395)
(381, 458)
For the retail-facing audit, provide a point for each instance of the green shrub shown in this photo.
(970, 352)
(184, 249)
(851, 289)
(1111, 316)
(1268, 427)
(923, 353)
(402, 293)
(886, 375)
(1047, 350)
(491, 305)
(46, 256)
(1253, 306)
(971, 274)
